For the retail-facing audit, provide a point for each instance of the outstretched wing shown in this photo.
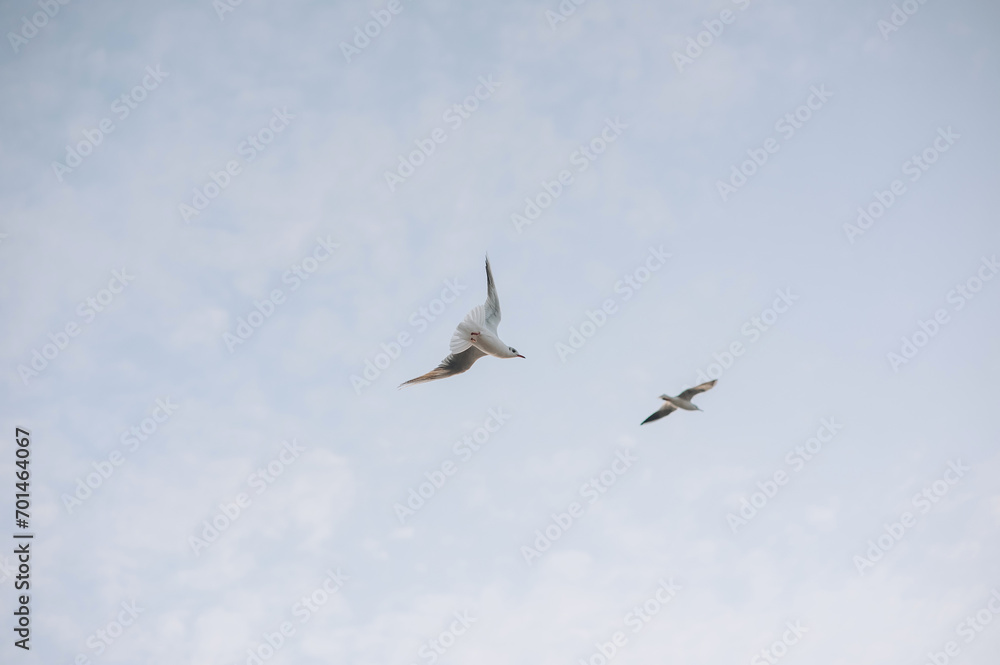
(492, 306)
(455, 363)
(482, 316)
(662, 412)
(474, 321)
(691, 392)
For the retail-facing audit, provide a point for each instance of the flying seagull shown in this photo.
(682, 401)
(475, 337)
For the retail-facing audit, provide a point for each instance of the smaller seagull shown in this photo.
(682, 401)
(474, 338)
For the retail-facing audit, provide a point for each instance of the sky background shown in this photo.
(655, 186)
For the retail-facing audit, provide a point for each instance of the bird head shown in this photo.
(514, 352)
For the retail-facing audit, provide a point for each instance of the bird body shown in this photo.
(488, 342)
(682, 401)
(476, 336)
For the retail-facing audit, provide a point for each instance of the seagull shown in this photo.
(475, 337)
(682, 401)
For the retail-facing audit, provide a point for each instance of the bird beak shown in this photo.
(520, 356)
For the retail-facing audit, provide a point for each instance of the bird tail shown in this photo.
(432, 375)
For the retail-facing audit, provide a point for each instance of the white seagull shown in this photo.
(475, 337)
(682, 401)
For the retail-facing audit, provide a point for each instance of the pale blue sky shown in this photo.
(349, 458)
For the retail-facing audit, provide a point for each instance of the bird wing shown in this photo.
(691, 392)
(474, 321)
(479, 317)
(455, 363)
(492, 305)
(662, 412)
